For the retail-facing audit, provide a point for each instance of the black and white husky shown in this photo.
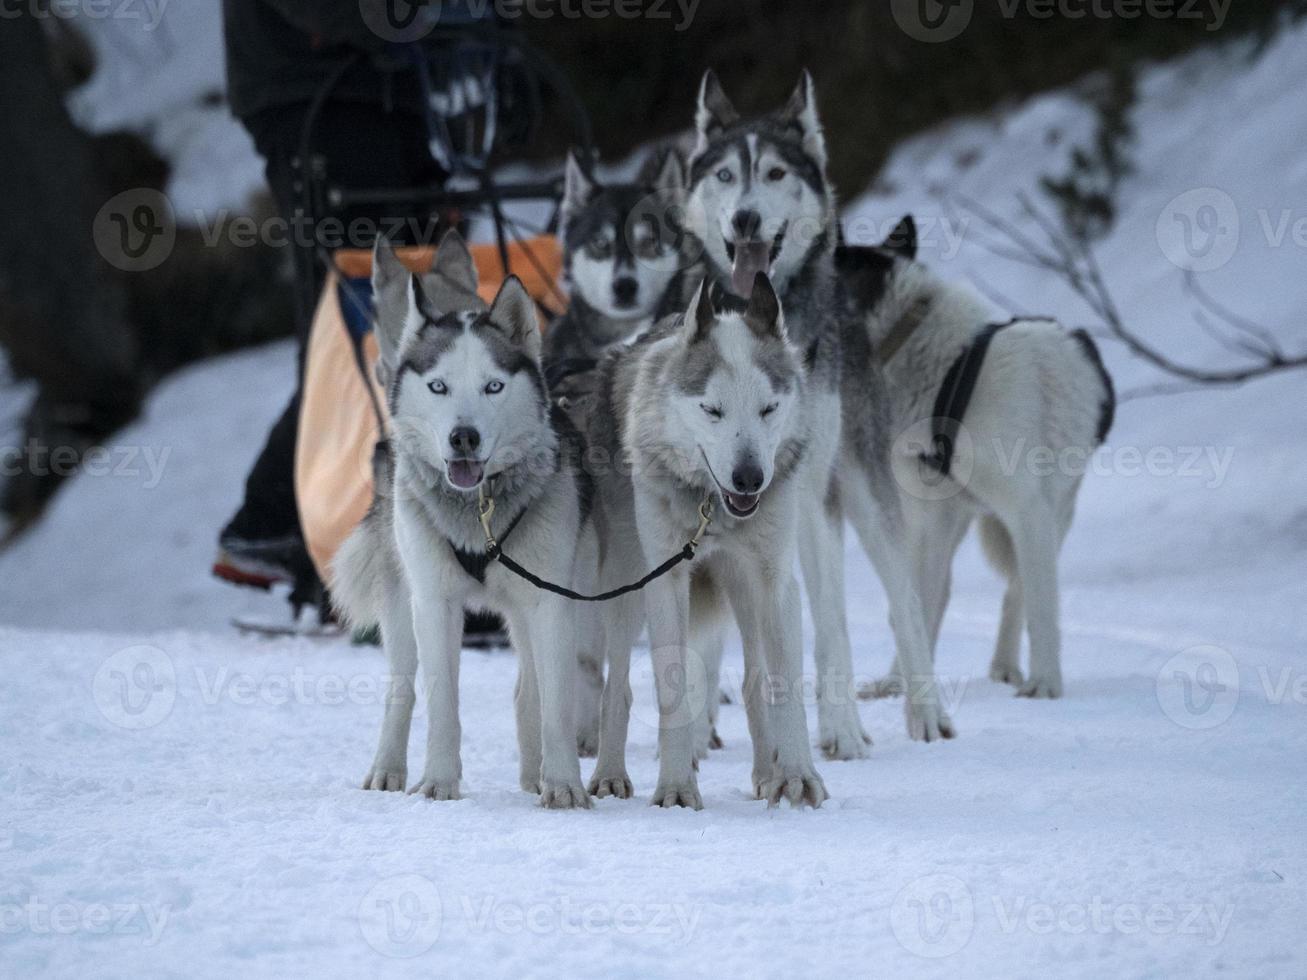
(620, 265)
(1041, 403)
(760, 201)
(471, 423)
(708, 415)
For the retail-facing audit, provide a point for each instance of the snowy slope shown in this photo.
(177, 799)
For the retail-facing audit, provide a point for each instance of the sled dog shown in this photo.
(708, 415)
(619, 263)
(471, 421)
(759, 201)
(1041, 402)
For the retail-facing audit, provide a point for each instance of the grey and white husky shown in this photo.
(707, 414)
(471, 420)
(1042, 403)
(760, 201)
(619, 262)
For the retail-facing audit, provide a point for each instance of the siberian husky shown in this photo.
(620, 265)
(708, 416)
(759, 201)
(1041, 403)
(471, 421)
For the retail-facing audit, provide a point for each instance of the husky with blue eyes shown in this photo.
(471, 424)
(622, 261)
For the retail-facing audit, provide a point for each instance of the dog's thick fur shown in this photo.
(760, 191)
(619, 259)
(452, 366)
(710, 408)
(1042, 390)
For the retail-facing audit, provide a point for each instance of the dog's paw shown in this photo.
(564, 794)
(441, 790)
(1006, 674)
(889, 686)
(1041, 687)
(684, 793)
(386, 780)
(799, 784)
(614, 784)
(842, 736)
(715, 741)
(928, 722)
(529, 784)
(587, 743)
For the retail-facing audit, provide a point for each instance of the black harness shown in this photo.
(955, 395)
(475, 563)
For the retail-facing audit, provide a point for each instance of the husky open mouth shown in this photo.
(465, 474)
(741, 504)
(750, 258)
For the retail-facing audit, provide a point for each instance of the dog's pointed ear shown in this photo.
(764, 316)
(715, 112)
(390, 301)
(671, 175)
(800, 113)
(903, 239)
(578, 189)
(701, 316)
(514, 313)
(454, 262)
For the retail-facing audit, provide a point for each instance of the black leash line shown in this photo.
(495, 553)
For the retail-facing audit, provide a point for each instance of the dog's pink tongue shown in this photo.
(751, 258)
(465, 474)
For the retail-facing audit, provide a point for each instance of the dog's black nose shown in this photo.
(747, 225)
(747, 478)
(625, 290)
(465, 440)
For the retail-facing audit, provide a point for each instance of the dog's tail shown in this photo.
(997, 545)
(360, 576)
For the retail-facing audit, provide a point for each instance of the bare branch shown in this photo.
(1071, 258)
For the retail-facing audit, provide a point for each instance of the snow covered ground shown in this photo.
(177, 799)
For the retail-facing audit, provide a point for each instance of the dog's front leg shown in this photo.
(622, 619)
(553, 647)
(438, 624)
(526, 707)
(390, 766)
(668, 603)
(821, 554)
(767, 603)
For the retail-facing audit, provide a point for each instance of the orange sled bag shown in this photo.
(338, 425)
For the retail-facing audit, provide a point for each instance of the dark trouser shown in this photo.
(362, 146)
